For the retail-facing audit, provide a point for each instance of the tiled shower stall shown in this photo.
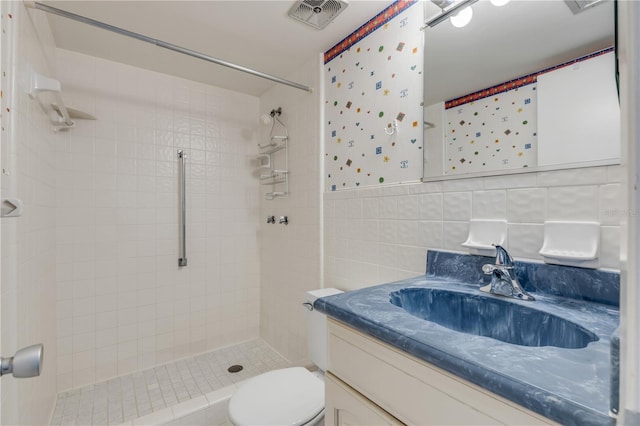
(95, 253)
(123, 304)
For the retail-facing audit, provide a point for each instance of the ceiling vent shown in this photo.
(317, 13)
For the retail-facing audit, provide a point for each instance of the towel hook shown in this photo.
(392, 128)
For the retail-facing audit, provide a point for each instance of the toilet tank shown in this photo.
(317, 327)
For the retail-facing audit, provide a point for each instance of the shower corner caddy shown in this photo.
(269, 174)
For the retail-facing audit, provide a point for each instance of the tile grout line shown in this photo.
(186, 379)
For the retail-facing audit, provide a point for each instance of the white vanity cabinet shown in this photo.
(372, 383)
(349, 407)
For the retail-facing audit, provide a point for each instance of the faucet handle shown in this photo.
(488, 269)
(503, 258)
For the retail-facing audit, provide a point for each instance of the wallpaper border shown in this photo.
(388, 13)
(517, 82)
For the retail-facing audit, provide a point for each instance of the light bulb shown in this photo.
(462, 18)
(499, 2)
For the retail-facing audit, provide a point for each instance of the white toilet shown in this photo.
(289, 396)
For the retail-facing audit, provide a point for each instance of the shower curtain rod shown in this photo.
(160, 43)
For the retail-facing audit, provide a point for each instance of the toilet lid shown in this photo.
(290, 396)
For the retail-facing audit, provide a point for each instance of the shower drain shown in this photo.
(235, 368)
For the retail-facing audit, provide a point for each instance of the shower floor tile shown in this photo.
(126, 398)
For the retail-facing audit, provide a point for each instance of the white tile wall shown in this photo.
(490, 204)
(527, 205)
(457, 205)
(565, 203)
(123, 304)
(398, 235)
(291, 255)
(28, 242)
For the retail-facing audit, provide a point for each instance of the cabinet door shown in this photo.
(413, 391)
(344, 406)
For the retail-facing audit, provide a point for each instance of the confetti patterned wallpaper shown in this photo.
(373, 92)
(496, 128)
(493, 133)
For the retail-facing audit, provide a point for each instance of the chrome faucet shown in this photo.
(503, 279)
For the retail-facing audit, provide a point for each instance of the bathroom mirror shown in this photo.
(504, 94)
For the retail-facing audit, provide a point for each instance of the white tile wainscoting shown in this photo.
(378, 235)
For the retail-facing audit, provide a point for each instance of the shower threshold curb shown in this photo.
(183, 409)
(177, 390)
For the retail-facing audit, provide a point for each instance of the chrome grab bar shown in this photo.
(182, 200)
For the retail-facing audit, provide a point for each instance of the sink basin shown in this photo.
(492, 317)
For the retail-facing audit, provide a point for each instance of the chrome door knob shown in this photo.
(27, 362)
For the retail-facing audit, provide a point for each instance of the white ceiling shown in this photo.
(256, 34)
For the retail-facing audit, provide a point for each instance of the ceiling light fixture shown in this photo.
(578, 6)
(451, 11)
(499, 2)
(462, 18)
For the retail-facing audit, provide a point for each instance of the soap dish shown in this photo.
(571, 243)
(483, 234)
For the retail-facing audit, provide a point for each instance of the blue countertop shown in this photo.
(570, 386)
